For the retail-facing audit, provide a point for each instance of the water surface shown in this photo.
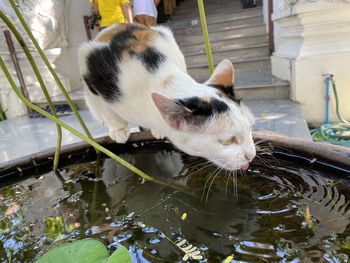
(275, 212)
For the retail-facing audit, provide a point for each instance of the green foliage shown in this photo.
(120, 255)
(345, 245)
(85, 251)
(2, 113)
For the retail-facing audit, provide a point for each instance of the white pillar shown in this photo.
(312, 38)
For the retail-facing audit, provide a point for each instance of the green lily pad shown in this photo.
(121, 255)
(85, 251)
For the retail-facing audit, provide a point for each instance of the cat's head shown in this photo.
(214, 125)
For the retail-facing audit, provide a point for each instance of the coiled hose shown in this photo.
(338, 133)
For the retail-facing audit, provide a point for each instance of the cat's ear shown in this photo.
(174, 113)
(223, 77)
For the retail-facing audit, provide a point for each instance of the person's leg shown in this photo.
(149, 20)
(145, 20)
(139, 19)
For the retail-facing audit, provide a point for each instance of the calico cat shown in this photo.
(138, 74)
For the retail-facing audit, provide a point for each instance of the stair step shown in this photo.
(224, 52)
(195, 25)
(187, 7)
(193, 12)
(253, 85)
(217, 3)
(230, 41)
(176, 23)
(275, 89)
(257, 29)
(211, 11)
(200, 72)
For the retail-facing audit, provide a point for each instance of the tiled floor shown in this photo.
(23, 136)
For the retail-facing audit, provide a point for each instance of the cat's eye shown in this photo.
(232, 140)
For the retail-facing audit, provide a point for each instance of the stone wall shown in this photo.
(312, 38)
(59, 29)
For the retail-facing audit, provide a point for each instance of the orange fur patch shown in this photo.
(143, 38)
(168, 80)
(107, 34)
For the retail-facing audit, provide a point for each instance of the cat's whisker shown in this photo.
(228, 175)
(265, 150)
(264, 162)
(206, 183)
(233, 183)
(199, 164)
(212, 181)
(236, 185)
(200, 169)
(227, 181)
(242, 173)
(218, 169)
(269, 156)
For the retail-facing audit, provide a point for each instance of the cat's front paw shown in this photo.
(120, 135)
(157, 135)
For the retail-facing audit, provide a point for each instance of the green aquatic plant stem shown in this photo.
(41, 83)
(205, 36)
(52, 71)
(80, 135)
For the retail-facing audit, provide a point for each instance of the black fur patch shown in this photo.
(103, 63)
(119, 42)
(199, 106)
(151, 58)
(227, 90)
(102, 76)
(103, 69)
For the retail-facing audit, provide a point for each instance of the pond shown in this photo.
(274, 212)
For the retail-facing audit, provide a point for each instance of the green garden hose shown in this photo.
(338, 134)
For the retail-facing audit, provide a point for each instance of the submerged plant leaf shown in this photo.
(13, 208)
(308, 217)
(190, 251)
(228, 259)
(344, 245)
(84, 251)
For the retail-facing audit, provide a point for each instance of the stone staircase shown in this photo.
(236, 34)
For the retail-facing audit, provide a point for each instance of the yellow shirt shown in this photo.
(111, 11)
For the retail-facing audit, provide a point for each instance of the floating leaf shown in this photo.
(190, 251)
(120, 255)
(307, 217)
(84, 251)
(186, 249)
(228, 259)
(182, 242)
